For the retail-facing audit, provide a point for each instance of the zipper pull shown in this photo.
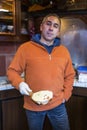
(50, 57)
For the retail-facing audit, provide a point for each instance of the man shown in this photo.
(47, 66)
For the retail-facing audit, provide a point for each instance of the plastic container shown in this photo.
(82, 69)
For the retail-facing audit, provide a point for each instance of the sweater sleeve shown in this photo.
(68, 79)
(16, 68)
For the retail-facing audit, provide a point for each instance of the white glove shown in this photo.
(24, 88)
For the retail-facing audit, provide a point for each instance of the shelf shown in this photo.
(63, 12)
(7, 17)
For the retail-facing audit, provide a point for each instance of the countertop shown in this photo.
(5, 85)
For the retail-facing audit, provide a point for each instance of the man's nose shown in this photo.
(51, 27)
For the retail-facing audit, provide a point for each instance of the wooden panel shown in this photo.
(14, 115)
(77, 111)
(80, 91)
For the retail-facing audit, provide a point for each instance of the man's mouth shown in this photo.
(49, 34)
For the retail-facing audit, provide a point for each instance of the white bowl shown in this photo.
(42, 97)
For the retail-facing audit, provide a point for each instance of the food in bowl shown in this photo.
(42, 97)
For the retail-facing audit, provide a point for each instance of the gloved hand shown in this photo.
(24, 88)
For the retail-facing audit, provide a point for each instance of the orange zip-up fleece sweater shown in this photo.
(43, 71)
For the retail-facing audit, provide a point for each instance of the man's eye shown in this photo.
(48, 23)
(56, 26)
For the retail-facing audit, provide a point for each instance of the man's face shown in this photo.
(50, 28)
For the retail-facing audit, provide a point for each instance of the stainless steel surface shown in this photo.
(74, 37)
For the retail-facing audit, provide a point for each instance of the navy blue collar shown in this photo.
(36, 38)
